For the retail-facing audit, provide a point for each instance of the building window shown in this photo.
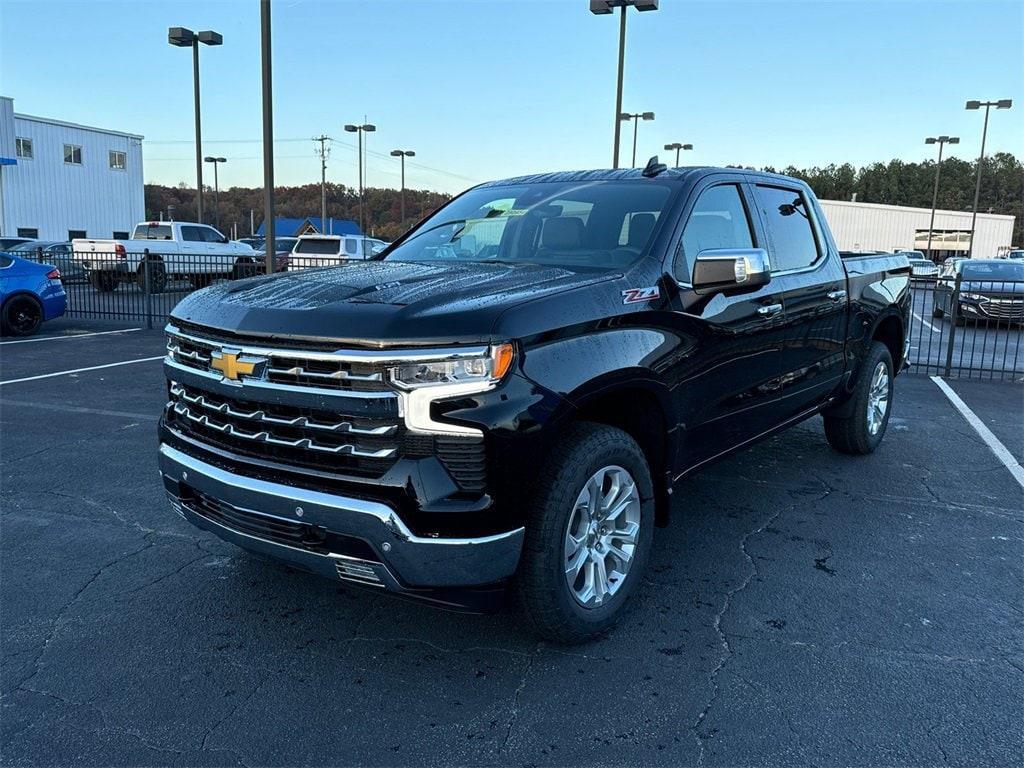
(28, 232)
(23, 147)
(72, 154)
(117, 160)
(120, 234)
(74, 234)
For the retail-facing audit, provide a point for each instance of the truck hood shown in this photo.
(380, 302)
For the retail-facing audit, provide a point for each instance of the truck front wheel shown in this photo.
(857, 426)
(588, 534)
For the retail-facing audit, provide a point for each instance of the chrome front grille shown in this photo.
(263, 415)
(333, 371)
(295, 435)
(1009, 309)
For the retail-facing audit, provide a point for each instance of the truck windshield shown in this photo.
(591, 224)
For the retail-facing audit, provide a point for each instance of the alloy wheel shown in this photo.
(878, 398)
(601, 536)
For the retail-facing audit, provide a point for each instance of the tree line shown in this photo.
(893, 183)
(382, 208)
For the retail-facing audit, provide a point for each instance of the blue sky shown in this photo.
(483, 89)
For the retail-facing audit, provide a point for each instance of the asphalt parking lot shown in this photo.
(803, 608)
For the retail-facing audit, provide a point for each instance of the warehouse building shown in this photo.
(875, 227)
(60, 180)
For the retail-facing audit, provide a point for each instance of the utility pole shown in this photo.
(268, 137)
(323, 152)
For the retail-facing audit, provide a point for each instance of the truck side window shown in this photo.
(192, 234)
(718, 220)
(787, 217)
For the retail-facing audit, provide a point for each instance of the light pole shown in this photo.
(216, 187)
(636, 117)
(403, 153)
(677, 146)
(186, 38)
(600, 8)
(1001, 104)
(361, 129)
(941, 140)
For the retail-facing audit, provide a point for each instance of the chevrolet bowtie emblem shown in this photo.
(232, 365)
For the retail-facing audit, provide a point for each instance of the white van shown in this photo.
(330, 250)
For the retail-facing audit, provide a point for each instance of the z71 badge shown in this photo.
(635, 295)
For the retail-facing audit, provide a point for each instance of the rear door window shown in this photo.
(193, 234)
(787, 217)
(718, 220)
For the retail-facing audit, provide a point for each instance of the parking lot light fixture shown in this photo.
(677, 146)
(182, 37)
(941, 141)
(403, 153)
(216, 187)
(1000, 104)
(360, 130)
(605, 7)
(636, 117)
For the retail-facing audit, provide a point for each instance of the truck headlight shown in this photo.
(484, 369)
(975, 297)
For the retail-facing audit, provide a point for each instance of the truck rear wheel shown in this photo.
(588, 534)
(104, 282)
(155, 273)
(857, 427)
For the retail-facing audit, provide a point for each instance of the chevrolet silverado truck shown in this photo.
(159, 251)
(505, 398)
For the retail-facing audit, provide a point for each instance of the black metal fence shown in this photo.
(970, 330)
(955, 331)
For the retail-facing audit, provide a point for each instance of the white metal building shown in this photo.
(875, 227)
(60, 180)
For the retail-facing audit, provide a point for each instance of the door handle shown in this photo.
(769, 309)
(836, 295)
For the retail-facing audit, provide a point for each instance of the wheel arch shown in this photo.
(640, 408)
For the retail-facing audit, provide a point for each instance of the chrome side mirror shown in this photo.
(730, 270)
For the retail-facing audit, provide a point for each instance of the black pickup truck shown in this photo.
(507, 395)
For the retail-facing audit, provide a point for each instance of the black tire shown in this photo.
(245, 268)
(846, 427)
(22, 315)
(104, 282)
(157, 275)
(544, 596)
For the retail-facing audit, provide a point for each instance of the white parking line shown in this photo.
(925, 322)
(81, 370)
(68, 336)
(983, 432)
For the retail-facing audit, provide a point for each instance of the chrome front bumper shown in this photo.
(402, 562)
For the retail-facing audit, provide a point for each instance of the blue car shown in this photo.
(30, 293)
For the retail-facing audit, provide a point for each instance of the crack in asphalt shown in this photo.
(514, 709)
(719, 615)
(67, 606)
(726, 647)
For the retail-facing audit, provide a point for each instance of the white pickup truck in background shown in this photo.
(174, 250)
(330, 250)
